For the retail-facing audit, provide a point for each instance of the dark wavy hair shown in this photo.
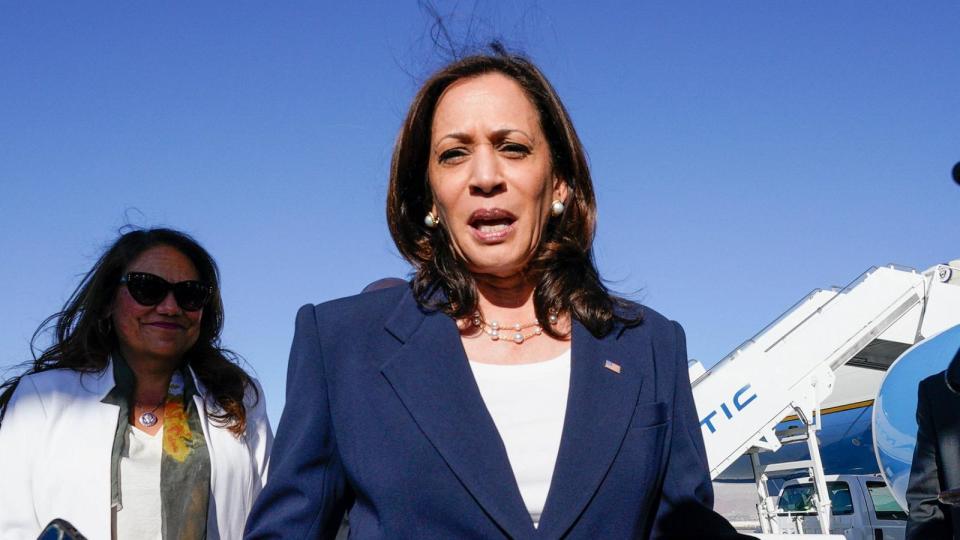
(562, 266)
(83, 340)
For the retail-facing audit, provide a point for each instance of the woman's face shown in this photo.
(164, 332)
(491, 173)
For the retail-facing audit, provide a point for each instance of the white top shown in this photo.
(528, 403)
(139, 517)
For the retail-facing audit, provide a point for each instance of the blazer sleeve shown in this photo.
(686, 503)
(307, 493)
(926, 517)
(19, 441)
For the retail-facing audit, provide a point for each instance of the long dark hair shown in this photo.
(83, 339)
(562, 266)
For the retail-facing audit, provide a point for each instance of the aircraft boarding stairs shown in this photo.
(792, 366)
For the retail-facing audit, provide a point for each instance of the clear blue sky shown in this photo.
(744, 153)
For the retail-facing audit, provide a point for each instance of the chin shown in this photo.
(502, 260)
(172, 355)
(500, 269)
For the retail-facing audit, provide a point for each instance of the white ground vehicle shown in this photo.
(862, 508)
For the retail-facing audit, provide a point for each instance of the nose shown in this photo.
(169, 305)
(485, 174)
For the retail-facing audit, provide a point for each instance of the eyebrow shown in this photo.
(498, 134)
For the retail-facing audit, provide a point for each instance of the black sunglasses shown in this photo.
(150, 290)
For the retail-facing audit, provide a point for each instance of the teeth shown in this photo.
(493, 228)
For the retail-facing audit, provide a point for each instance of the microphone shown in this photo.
(60, 529)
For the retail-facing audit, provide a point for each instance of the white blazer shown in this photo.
(55, 450)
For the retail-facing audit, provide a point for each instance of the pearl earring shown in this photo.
(557, 208)
(431, 220)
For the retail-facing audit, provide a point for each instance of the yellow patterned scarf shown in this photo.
(185, 464)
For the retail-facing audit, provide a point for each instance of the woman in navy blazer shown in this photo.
(414, 411)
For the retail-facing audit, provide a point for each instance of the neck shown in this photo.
(509, 301)
(152, 378)
(505, 299)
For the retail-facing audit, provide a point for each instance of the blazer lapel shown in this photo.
(95, 422)
(432, 378)
(600, 406)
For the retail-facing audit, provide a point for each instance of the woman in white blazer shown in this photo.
(135, 423)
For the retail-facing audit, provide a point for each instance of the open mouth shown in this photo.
(491, 224)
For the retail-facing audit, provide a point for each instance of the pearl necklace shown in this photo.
(493, 328)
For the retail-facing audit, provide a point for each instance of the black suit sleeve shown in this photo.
(927, 520)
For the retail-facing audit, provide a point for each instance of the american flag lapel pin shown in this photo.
(612, 366)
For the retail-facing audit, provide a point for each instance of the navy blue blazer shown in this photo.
(384, 419)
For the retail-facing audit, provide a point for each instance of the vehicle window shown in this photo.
(883, 502)
(798, 498)
(840, 500)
